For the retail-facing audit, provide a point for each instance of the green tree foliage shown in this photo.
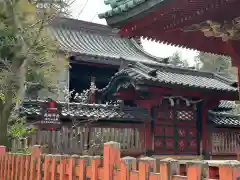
(27, 54)
(218, 64)
(18, 131)
(176, 60)
(62, 6)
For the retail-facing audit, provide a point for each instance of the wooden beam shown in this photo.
(155, 91)
(205, 144)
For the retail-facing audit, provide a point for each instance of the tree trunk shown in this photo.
(3, 129)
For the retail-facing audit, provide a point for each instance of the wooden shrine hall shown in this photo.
(156, 111)
(147, 105)
(198, 25)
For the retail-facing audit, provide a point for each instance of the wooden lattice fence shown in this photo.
(82, 140)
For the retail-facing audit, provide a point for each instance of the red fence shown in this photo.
(37, 166)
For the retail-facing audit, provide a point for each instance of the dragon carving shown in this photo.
(228, 30)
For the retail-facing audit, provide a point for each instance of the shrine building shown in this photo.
(141, 101)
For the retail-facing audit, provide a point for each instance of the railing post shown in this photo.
(168, 168)
(229, 170)
(238, 156)
(111, 159)
(95, 162)
(145, 166)
(194, 170)
(2, 150)
(2, 161)
(127, 164)
(35, 155)
(82, 163)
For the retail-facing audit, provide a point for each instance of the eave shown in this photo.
(163, 20)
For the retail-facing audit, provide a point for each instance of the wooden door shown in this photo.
(175, 130)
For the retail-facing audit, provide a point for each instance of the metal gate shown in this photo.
(175, 130)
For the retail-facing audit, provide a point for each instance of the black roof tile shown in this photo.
(170, 75)
(99, 41)
(225, 105)
(226, 118)
(95, 111)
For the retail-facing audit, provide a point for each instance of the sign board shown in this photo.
(50, 116)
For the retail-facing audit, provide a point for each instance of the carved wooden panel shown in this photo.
(175, 131)
(185, 115)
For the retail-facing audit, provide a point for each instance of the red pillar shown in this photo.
(146, 134)
(205, 133)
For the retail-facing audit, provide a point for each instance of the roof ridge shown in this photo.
(80, 25)
(196, 72)
(223, 114)
(150, 71)
(72, 103)
(139, 48)
(222, 78)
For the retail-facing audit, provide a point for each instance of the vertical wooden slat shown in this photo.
(63, 165)
(111, 159)
(132, 139)
(86, 140)
(129, 145)
(3, 161)
(38, 167)
(35, 154)
(70, 168)
(9, 164)
(145, 165)
(53, 142)
(74, 142)
(168, 168)
(126, 167)
(46, 167)
(122, 138)
(194, 170)
(53, 167)
(95, 162)
(80, 138)
(22, 163)
(27, 165)
(17, 166)
(68, 141)
(58, 141)
(13, 170)
(5, 165)
(82, 164)
(229, 170)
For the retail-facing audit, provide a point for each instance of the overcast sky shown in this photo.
(88, 10)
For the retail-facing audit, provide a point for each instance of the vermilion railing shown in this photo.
(38, 166)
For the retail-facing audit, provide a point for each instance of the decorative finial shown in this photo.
(92, 90)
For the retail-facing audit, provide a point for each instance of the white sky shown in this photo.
(88, 10)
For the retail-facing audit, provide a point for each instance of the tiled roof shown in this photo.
(99, 42)
(224, 118)
(121, 6)
(140, 74)
(225, 105)
(94, 111)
